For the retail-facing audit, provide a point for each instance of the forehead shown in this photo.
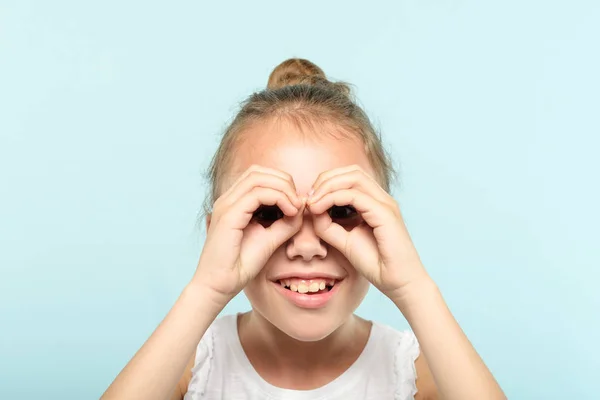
(304, 153)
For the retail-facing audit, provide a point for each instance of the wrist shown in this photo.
(206, 297)
(415, 294)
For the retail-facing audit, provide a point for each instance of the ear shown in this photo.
(208, 218)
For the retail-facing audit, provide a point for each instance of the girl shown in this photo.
(302, 221)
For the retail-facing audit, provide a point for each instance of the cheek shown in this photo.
(255, 289)
(258, 289)
(360, 288)
(257, 297)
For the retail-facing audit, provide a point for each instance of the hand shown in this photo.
(237, 246)
(378, 245)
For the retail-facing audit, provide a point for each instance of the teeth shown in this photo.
(302, 288)
(308, 285)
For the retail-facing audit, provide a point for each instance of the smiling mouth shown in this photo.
(308, 286)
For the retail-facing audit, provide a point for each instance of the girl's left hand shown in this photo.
(379, 245)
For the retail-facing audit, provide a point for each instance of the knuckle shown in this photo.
(253, 167)
(218, 205)
(286, 183)
(264, 195)
(215, 218)
(227, 218)
(357, 172)
(217, 213)
(246, 173)
(392, 208)
(254, 174)
(279, 197)
(319, 178)
(352, 195)
(288, 177)
(256, 191)
(289, 181)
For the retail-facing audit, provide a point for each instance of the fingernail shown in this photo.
(311, 196)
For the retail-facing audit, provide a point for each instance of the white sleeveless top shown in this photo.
(384, 370)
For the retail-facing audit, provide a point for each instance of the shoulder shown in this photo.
(426, 388)
(411, 371)
(197, 371)
(212, 341)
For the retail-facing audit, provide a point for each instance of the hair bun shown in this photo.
(298, 71)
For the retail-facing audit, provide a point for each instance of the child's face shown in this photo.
(303, 155)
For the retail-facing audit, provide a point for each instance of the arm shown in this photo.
(226, 265)
(382, 250)
(458, 371)
(154, 371)
(426, 389)
(184, 381)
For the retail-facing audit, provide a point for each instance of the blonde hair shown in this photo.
(299, 91)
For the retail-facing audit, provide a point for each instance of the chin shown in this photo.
(307, 324)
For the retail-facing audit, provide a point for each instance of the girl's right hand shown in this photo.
(259, 213)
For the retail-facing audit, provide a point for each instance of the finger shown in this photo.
(333, 172)
(259, 168)
(266, 170)
(350, 244)
(353, 179)
(283, 229)
(263, 242)
(332, 233)
(323, 176)
(260, 179)
(358, 246)
(240, 213)
(373, 212)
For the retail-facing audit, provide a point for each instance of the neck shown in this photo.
(265, 343)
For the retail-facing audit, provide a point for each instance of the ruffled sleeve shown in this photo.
(407, 351)
(202, 367)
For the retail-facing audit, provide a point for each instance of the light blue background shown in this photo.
(110, 111)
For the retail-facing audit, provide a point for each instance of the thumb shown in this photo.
(283, 229)
(329, 231)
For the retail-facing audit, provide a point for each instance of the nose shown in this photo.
(305, 244)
